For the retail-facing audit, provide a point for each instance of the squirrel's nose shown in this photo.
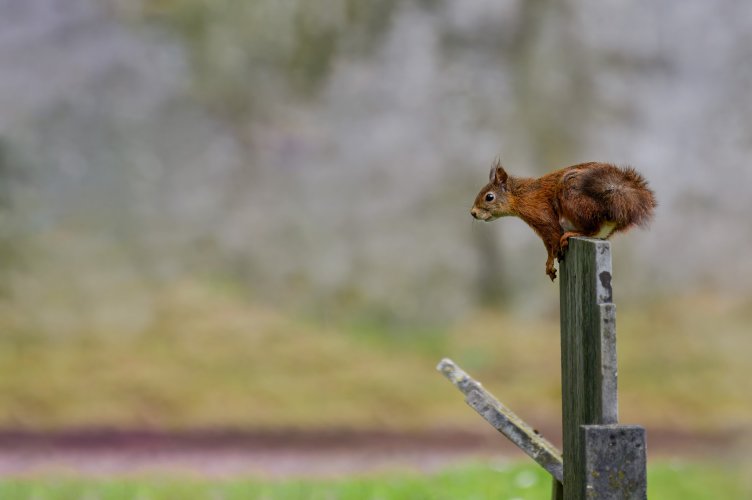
(474, 212)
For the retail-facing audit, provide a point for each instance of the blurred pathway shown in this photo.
(279, 453)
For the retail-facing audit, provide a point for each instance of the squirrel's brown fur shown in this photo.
(589, 199)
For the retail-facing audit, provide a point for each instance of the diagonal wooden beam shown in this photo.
(504, 420)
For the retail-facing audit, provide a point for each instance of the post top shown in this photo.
(596, 253)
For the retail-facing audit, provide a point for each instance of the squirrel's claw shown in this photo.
(551, 272)
(564, 241)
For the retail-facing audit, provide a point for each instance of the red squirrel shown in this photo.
(590, 199)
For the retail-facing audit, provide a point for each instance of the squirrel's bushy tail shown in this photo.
(626, 194)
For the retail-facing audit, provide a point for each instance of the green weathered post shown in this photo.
(602, 460)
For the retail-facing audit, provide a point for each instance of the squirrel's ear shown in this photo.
(498, 175)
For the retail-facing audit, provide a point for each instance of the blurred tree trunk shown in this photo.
(553, 85)
(549, 118)
(7, 243)
(492, 287)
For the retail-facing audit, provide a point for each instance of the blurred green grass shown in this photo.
(666, 481)
(209, 358)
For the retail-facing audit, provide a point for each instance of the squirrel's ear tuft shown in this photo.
(498, 175)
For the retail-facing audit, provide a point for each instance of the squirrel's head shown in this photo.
(492, 201)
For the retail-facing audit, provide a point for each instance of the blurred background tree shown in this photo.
(235, 139)
(316, 161)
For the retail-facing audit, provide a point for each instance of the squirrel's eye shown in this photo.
(490, 197)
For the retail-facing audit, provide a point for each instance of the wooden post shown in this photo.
(592, 467)
(602, 460)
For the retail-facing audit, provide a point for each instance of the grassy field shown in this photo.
(478, 482)
(207, 358)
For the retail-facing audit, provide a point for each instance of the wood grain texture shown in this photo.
(588, 355)
(602, 459)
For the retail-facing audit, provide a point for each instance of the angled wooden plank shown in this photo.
(504, 420)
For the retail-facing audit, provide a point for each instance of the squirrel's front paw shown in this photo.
(551, 272)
